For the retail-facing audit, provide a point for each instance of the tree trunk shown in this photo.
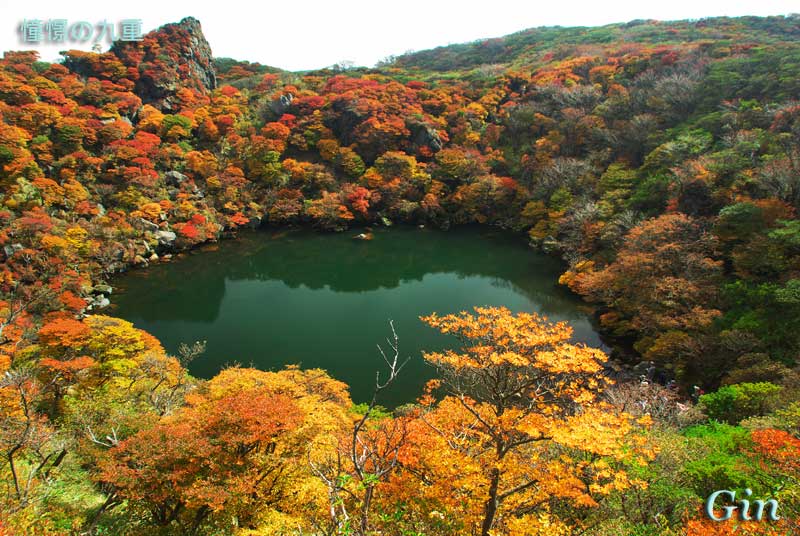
(110, 502)
(490, 510)
(365, 510)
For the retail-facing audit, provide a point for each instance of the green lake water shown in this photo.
(271, 298)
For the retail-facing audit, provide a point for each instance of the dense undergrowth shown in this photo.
(660, 160)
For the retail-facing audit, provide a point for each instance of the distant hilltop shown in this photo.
(178, 55)
(526, 46)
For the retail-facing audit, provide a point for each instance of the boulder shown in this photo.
(281, 104)
(166, 238)
(426, 136)
(174, 178)
(100, 302)
(10, 250)
(549, 245)
(148, 225)
(102, 289)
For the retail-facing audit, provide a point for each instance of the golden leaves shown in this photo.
(525, 415)
(496, 337)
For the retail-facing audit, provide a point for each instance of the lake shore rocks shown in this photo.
(102, 289)
(166, 238)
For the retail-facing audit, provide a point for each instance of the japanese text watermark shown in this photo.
(38, 31)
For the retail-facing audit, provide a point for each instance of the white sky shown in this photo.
(298, 35)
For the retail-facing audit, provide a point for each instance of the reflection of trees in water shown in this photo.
(186, 290)
(549, 297)
(192, 288)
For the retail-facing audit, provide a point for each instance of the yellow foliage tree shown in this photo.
(521, 425)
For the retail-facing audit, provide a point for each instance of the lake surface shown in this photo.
(271, 298)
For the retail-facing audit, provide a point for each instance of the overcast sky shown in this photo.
(298, 35)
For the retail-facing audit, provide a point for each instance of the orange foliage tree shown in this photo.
(662, 285)
(521, 426)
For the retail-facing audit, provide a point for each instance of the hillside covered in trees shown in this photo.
(659, 160)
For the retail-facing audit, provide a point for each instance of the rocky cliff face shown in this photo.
(173, 56)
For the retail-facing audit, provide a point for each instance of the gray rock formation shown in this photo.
(166, 238)
(174, 178)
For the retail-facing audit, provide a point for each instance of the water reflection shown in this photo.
(324, 300)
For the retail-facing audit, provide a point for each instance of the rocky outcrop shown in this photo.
(280, 105)
(174, 178)
(424, 135)
(171, 57)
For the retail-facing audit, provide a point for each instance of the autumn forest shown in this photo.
(659, 162)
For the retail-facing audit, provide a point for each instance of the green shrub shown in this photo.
(717, 460)
(732, 403)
